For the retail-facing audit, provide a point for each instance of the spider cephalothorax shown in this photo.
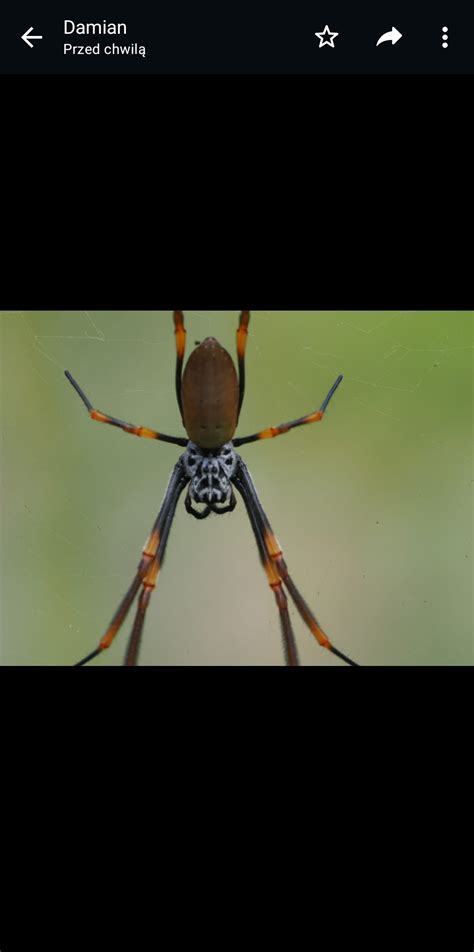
(210, 473)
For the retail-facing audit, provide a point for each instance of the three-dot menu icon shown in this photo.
(444, 38)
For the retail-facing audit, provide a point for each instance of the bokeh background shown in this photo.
(373, 507)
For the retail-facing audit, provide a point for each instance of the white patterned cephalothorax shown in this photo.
(210, 472)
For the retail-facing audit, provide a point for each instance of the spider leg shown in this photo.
(273, 431)
(274, 581)
(127, 427)
(180, 332)
(148, 568)
(242, 333)
(274, 555)
(120, 614)
(149, 583)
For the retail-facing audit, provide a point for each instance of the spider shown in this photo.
(210, 397)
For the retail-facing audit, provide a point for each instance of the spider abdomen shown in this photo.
(210, 395)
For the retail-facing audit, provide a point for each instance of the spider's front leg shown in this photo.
(147, 573)
(274, 580)
(275, 565)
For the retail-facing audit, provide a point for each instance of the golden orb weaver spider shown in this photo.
(210, 397)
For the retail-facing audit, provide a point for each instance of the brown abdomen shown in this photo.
(210, 394)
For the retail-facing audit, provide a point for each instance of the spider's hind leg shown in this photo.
(242, 333)
(180, 334)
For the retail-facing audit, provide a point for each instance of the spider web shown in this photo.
(373, 508)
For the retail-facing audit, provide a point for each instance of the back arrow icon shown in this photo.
(392, 35)
(27, 36)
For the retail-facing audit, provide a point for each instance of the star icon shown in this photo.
(326, 38)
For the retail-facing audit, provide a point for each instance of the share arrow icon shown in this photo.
(394, 35)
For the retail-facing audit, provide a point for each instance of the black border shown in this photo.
(306, 192)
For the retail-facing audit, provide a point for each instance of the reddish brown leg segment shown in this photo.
(151, 578)
(242, 334)
(180, 332)
(142, 431)
(274, 554)
(274, 581)
(148, 569)
(149, 552)
(273, 431)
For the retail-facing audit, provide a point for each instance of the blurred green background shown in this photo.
(373, 507)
